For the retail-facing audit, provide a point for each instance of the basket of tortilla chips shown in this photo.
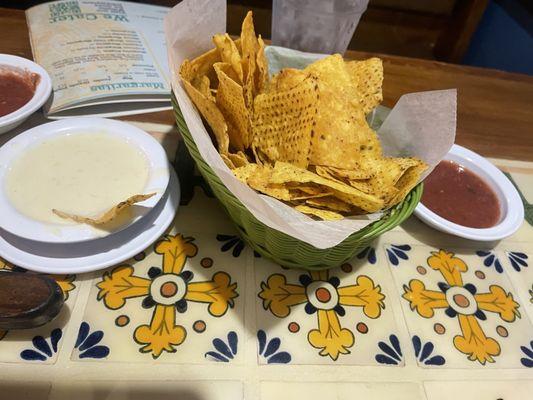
(301, 137)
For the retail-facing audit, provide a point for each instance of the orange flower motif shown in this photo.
(323, 296)
(168, 290)
(462, 301)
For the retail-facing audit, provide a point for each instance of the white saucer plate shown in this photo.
(512, 209)
(56, 258)
(20, 225)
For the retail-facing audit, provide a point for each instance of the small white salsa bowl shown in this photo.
(512, 209)
(41, 95)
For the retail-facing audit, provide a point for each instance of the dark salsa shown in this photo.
(460, 196)
(16, 89)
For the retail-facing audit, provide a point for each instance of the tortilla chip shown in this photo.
(342, 137)
(286, 79)
(244, 172)
(260, 181)
(283, 123)
(239, 159)
(250, 49)
(227, 161)
(261, 79)
(109, 215)
(212, 114)
(200, 66)
(367, 76)
(407, 182)
(284, 172)
(365, 172)
(322, 214)
(229, 54)
(230, 100)
(330, 203)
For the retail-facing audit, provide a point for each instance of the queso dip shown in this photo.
(82, 173)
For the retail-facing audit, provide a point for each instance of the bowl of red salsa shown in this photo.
(467, 196)
(24, 88)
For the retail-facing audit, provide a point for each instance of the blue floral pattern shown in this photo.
(527, 361)
(392, 353)
(517, 260)
(396, 252)
(268, 349)
(224, 352)
(234, 242)
(490, 260)
(88, 344)
(43, 350)
(423, 352)
(369, 253)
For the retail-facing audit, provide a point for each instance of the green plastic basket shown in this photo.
(280, 247)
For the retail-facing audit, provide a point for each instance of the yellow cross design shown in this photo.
(167, 292)
(462, 301)
(322, 295)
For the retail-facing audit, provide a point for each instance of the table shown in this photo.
(403, 326)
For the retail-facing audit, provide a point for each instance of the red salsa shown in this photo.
(460, 196)
(16, 89)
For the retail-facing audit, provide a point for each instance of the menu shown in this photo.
(105, 58)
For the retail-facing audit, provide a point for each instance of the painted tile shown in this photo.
(497, 390)
(517, 259)
(341, 390)
(39, 345)
(24, 390)
(142, 390)
(461, 311)
(339, 316)
(176, 302)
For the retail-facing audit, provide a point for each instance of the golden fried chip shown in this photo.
(200, 66)
(227, 161)
(230, 100)
(212, 114)
(260, 181)
(250, 49)
(229, 53)
(407, 182)
(342, 137)
(286, 79)
(283, 123)
(284, 172)
(239, 159)
(298, 194)
(244, 172)
(109, 215)
(365, 172)
(367, 76)
(261, 79)
(322, 214)
(330, 203)
(203, 85)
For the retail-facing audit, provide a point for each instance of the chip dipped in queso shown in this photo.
(301, 136)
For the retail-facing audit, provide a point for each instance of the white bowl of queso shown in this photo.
(82, 166)
(467, 196)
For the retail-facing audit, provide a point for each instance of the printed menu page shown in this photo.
(104, 57)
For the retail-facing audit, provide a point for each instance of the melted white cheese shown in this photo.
(82, 173)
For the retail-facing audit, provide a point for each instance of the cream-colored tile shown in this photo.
(177, 302)
(453, 390)
(338, 316)
(341, 390)
(143, 390)
(460, 311)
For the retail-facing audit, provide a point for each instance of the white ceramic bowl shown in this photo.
(512, 209)
(42, 92)
(18, 224)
